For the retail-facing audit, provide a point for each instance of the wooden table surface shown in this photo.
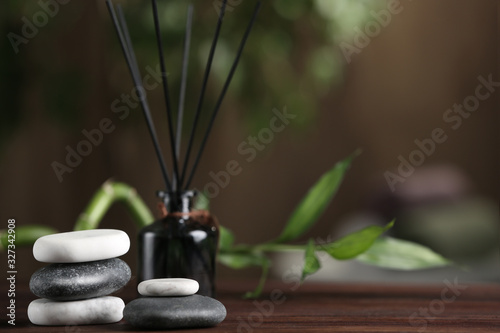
(450, 307)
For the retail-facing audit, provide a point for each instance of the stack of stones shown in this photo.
(84, 270)
(172, 304)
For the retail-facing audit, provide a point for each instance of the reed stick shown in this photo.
(182, 95)
(223, 93)
(135, 73)
(128, 41)
(167, 97)
(202, 92)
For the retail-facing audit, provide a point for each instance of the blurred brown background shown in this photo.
(394, 91)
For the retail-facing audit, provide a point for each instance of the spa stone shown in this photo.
(174, 312)
(168, 287)
(81, 246)
(65, 282)
(100, 310)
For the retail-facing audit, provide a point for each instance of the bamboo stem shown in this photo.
(25, 235)
(262, 281)
(109, 193)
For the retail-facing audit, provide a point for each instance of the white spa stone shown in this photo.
(168, 287)
(100, 310)
(81, 246)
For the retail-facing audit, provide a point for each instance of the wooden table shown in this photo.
(323, 308)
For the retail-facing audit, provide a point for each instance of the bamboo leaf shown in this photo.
(244, 260)
(400, 254)
(355, 243)
(311, 262)
(226, 239)
(241, 260)
(315, 202)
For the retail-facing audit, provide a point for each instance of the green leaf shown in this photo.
(241, 260)
(311, 262)
(355, 243)
(315, 202)
(246, 259)
(202, 202)
(226, 239)
(399, 254)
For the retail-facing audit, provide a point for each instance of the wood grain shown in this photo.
(323, 308)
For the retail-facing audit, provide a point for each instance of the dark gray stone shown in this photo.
(69, 282)
(174, 312)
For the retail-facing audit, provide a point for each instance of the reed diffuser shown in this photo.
(184, 242)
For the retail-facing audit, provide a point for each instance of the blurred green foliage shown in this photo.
(291, 58)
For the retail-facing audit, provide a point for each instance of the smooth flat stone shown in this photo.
(168, 287)
(174, 312)
(81, 246)
(68, 282)
(101, 310)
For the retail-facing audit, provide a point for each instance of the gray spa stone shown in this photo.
(68, 282)
(174, 312)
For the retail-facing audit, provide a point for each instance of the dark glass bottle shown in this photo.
(182, 244)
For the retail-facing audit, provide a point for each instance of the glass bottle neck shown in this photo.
(181, 202)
